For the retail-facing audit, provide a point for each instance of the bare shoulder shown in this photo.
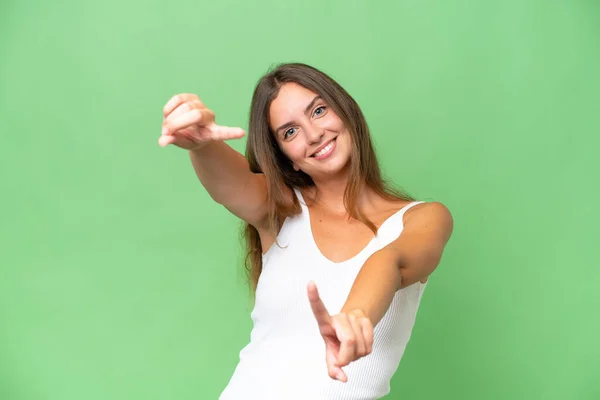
(429, 214)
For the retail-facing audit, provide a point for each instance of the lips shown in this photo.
(322, 147)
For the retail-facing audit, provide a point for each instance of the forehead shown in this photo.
(291, 101)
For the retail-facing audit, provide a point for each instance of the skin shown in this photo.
(302, 123)
(308, 132)
(411, 258)
(300, 131)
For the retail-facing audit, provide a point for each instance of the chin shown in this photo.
(335, 168)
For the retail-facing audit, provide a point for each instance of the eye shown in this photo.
(290, 131)
(319, 110)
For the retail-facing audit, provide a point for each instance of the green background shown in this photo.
(121, 279)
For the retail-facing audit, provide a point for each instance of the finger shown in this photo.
(182, 108)
(182, 141)
(165, 140)
(192, 117)
(176, 100)
(361, 345)
(347, 339)
(317, 306)
(367, 329)
(338, 373)
(333, 370)
(226, 132)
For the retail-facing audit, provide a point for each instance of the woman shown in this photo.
(318, 214)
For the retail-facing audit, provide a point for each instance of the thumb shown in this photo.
(226, 132)
(165, 140)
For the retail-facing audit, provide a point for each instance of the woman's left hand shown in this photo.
(348, 336)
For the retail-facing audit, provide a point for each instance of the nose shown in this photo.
(314, 134)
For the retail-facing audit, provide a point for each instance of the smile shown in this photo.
(326, 151)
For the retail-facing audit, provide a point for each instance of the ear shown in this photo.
(295, 167)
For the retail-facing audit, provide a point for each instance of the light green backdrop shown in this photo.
(120, 279)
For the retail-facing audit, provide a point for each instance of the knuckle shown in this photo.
(173, 100)
(196, 113)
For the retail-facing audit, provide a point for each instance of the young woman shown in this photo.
(318, 214)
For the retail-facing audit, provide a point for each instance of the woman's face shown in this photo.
(309, 133)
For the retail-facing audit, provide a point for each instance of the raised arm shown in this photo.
(223, 171)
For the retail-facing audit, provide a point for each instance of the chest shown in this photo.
(339, 238)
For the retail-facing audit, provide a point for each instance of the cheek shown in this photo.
(293, 151)
(332, 122)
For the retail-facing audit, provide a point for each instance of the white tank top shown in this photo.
(285, 358)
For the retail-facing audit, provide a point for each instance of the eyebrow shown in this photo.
(306, 110)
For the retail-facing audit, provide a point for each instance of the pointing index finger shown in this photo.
(317, 306)
(227, 132)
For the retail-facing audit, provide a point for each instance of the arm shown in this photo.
(224, 172)
(226, 175)
(410, 258)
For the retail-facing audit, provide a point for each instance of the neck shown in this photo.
(329, 194)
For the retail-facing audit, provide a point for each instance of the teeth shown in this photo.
(324, 150)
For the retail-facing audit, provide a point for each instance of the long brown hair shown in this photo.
(264, 155)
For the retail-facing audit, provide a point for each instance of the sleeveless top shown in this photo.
(285, 358)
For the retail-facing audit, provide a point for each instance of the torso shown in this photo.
(338, 238)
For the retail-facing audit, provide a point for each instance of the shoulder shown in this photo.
(428, 215)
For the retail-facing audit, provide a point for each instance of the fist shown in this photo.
(188, 124)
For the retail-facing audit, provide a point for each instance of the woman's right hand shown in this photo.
(188, 124)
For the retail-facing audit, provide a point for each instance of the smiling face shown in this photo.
(309, 132)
